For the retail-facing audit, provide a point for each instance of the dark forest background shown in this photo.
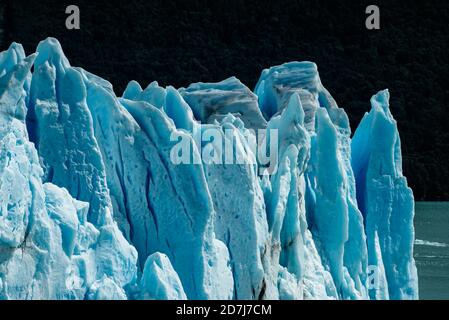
(179, 42)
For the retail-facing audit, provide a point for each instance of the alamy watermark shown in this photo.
(224, 146)
(373, 278)
(73, 20)
(372, 22)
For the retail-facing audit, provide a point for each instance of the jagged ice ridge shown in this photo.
(92, 207)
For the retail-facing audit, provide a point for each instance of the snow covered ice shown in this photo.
(92, 205)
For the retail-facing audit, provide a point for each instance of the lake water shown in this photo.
(432, 249)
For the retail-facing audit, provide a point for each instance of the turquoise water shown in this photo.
(432, 249)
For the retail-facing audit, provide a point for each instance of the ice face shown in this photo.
(330, 195)
(94, 206)
(214, 101)
(48, 248)
(385, 200)
(159, 280)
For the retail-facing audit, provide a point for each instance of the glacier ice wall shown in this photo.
(385, 200)
(329, 193)
(96, 205)
(48, 248)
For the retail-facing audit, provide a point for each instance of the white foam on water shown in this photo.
(430, 243)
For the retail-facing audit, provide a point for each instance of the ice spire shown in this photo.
(385, 200)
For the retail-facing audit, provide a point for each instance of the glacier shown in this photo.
(107, 197)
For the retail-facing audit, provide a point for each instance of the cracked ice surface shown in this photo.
(93, 207)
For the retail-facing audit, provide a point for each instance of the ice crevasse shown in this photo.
(92, 205)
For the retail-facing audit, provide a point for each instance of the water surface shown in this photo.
(432, 249)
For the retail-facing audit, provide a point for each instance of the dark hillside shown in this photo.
(179, 41)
